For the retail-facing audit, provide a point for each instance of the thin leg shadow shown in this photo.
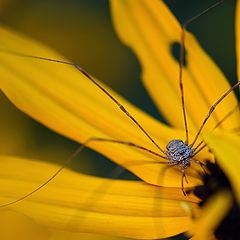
(105, 184)
(157, 208)
(100, 190)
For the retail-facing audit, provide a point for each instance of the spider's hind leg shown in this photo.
(184, 177)
(200, 163)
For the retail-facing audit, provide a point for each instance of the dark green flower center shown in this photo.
(213, 182)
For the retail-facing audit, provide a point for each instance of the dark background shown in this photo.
(82, 32)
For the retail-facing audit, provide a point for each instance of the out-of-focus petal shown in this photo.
(150, 29)
(15, 225)
(226, 147)
(76, 202)
(63, 99)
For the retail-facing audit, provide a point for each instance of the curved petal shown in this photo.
(64, 100)
(227, 150)
(213, 213)
(150, 29)
(76, 202)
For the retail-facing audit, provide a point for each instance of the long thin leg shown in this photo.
(129, 144)
(201, 13)
(181, 82)
(199, 150)
(205, 145)
(217, 125)
(227, 116)
(95, 83)
(79, 149)
(183, 176)
(212, 109)
(182, 47)
(200, 163)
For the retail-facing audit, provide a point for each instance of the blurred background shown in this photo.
(82, 32)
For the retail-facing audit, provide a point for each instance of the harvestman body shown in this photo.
(178, 153)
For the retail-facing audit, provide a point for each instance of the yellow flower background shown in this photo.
(84, 192)
(90, 25)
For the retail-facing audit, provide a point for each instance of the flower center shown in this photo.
(213, 182)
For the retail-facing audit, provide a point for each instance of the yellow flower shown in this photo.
(64, 100)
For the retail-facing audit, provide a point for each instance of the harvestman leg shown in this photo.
(182, 40)
(184, 25)
(127, 113)
(182, 48)
(97, 85)
(216, 126)
(230, 90)
(183, 177)
(79, 149)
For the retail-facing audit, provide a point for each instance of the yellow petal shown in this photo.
(64, 100)
(213, 213)
(226, 148)
(150, 29)
(24, 227)
(80, 203)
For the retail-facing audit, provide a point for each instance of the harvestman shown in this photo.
(178, 153)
